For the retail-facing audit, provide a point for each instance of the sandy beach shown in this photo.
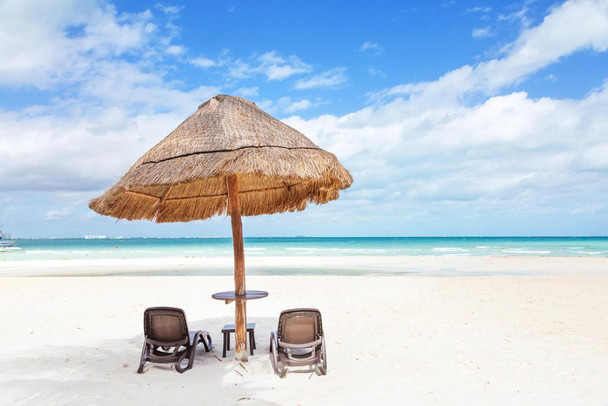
(534, 333)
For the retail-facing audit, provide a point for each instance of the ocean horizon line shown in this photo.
(103, 237)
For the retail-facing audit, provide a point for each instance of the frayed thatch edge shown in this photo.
(128, 205)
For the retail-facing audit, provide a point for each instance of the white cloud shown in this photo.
(425, 149)
(169, 10)
(481, 32)
(175, 50)
(551, 78)
(58, 214)
(371, 47)
(537, 47)
(275, 67)
(595, 159)
(248, 91)
(330, 78)
(109, 103)
(510, 154)
(203, 62)
(492, 153)
(478, 9)
(87, 146)
(373, 72)
(520, 16)
(75, 153)
(287, 105)
(290, 106)
(65, 45)
(270, 64)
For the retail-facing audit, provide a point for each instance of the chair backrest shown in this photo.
(165, 326)
(300, 326)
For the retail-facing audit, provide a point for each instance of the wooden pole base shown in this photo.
(234, 209)
(240, 332)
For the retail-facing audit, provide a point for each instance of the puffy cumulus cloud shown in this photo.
(510, 154)
(125, 85)
(108, 103)
(49, 153)
(86, 54)
(63, 41)
(571, 27)
(574, 26)
(435, 151)
(84, 146)
(330, 78)
(455, 149)
(76, 145)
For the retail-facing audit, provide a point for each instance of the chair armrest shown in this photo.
(300, 346)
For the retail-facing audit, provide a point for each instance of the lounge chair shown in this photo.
(168, 340)
(298, 341)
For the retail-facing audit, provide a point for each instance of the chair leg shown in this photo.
(191, 355)
(323, 360)
(282, 370)
(273, 353)
(226, 342)
(143, 359)
(208, 344)
(251, 342)
(188, 353)
(278, 367)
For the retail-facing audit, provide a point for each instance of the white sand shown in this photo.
(540, 338)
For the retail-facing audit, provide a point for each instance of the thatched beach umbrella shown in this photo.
(228, 157)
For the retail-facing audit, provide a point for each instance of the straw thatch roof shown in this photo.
(182, 178)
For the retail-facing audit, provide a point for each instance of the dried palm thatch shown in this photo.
(182, 178)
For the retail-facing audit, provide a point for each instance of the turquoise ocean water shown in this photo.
(44, 249)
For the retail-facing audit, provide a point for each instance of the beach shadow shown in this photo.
(105, 373)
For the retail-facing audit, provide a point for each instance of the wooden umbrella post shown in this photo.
(234, 209)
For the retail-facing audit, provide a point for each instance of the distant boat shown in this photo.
(6, 244)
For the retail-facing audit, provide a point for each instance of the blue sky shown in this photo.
(454, 117)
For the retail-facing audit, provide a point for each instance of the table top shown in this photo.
(231, 295)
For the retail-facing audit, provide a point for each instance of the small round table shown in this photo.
(231, 296)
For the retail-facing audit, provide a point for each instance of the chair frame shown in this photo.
(284, 354)
(166, 352)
